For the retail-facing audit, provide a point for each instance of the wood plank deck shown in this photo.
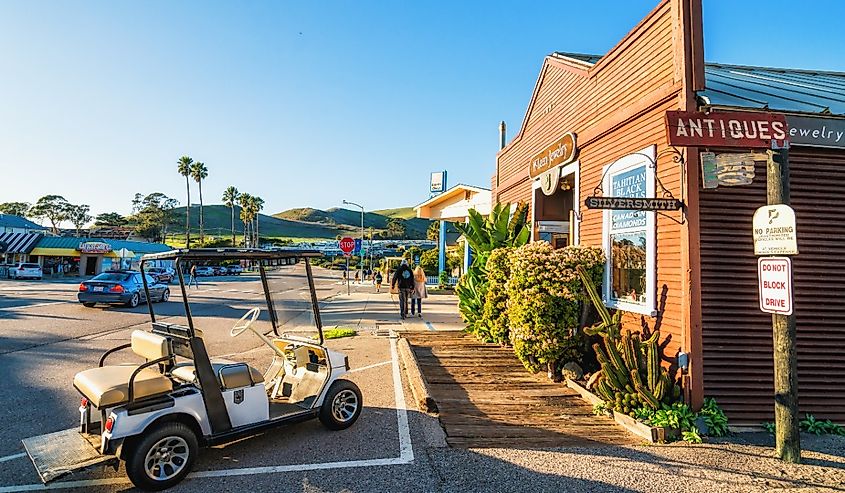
(487, 398)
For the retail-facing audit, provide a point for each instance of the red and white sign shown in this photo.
(735, 129)
(346, 244)
(775, 275)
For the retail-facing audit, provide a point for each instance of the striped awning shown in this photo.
(18, 242)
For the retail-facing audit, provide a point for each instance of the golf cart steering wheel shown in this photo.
(242, 324)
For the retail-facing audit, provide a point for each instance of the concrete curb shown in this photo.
(419, 387)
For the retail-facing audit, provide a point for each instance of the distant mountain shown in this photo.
(302, 222)
(415, 227)
(217, 222)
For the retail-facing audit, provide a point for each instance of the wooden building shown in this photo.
(597, 126)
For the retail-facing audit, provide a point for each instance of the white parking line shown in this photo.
(13, 456)
(374, 365)
(406, 450)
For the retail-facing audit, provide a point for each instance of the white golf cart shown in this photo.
(156, 415)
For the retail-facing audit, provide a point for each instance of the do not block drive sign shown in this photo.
(775, 277)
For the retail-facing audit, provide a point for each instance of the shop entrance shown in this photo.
(91, 266)
(554, 215)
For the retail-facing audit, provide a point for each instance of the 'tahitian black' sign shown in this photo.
(634, 203)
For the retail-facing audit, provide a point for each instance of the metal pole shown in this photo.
(362, 245)
(787, 436)
(347, 275)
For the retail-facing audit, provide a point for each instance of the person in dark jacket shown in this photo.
(403, 279)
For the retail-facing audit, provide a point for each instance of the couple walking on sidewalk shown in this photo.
(410, 286)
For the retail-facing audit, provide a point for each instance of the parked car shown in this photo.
(234, 270)
(219, 270)
(121, 287)
(161, 274)
(26, 271)
(205, 271)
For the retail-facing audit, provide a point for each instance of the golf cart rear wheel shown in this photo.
(342, 405)
(162, 457)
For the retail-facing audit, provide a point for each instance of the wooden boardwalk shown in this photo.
(486, 398)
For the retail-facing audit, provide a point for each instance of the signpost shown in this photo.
(346, 245)
(774, 231)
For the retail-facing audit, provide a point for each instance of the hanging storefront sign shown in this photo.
(817, 132)
(775, 284)
(94, 247)
(735, 129)
(438, 182)
(627, 203)
(728, 169)
(775, 231)
(550, 180)
(558, 154)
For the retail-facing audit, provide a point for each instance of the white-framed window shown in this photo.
(629, 237)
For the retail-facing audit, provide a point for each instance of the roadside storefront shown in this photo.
(88, 256)
(596, 158)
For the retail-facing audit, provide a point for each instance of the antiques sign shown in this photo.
(561, 152)
(637, 204)
(774, 230)
(736, 129)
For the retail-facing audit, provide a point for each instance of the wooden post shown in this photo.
(787, 434)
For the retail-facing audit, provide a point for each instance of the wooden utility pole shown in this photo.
(787, 436)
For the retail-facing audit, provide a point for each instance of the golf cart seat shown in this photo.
(230, 374)
(109, 385)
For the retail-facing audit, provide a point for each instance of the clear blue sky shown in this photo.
(307, 103)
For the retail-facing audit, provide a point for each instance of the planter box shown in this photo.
(651, 433)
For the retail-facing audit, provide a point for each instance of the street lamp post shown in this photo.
(346, 202)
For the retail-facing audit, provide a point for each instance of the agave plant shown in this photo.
(484, 234)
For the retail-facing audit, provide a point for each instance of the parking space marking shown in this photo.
(406, 450)
(374, 365)
(13, 456)
(429, 325)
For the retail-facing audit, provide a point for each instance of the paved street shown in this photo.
(45, 338)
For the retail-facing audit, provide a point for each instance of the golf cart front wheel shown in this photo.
(162, 457)
(342, 405)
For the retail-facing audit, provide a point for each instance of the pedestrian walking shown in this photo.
(403, 281)
(377, 278)
(192, 279)
(419, 292)
(357, 277)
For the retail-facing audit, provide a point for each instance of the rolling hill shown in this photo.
(303, 222)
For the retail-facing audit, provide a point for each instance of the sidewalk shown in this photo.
(364, 309)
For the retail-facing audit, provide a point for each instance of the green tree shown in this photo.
(411, 253)
(433, 231)
(78, 216)
(52, 207)
(15, 208)
(230, 198)
(110, 219)
(396, 228)
(257, 206)
(245, 201)
(199, 173)
(183, 166)
(152, 214)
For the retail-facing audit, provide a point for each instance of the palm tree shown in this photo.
(183, 166)
(257, 207)
(230, 198)
(199, 173)
(244, 200)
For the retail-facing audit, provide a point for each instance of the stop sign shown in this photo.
(347, 244)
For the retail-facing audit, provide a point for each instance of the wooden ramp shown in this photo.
(486, 398)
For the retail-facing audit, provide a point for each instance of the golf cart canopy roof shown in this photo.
(230, 253)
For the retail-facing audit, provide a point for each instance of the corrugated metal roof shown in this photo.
(774, 89)
(764, 88)
(72, 242)
(11, 221)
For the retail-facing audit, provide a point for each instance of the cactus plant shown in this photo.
(631, 374)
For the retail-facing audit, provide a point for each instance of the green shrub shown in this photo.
(493, 326)
(544, 292)
(339, 332)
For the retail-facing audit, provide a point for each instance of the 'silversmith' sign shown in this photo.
(561, 152)
(736, 129)
(632, 203)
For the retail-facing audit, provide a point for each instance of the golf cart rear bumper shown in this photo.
(62, 452)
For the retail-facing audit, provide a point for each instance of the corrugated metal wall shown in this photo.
(737, 335)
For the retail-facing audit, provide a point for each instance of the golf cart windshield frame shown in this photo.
(181, 256)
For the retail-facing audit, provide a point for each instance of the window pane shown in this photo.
(630, 183)
(628, 261)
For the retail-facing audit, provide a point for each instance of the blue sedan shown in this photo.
(123, 286)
